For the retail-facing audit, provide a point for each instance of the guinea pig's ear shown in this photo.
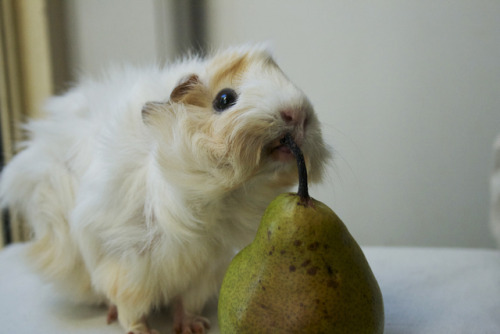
(190, 90)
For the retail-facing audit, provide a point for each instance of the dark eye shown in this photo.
(225, 99)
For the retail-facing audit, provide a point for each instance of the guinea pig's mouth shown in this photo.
(280, 152)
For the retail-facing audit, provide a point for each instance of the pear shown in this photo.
(303, 273)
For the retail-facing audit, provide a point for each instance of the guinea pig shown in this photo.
(140, 186)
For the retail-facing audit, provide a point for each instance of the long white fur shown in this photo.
(135, 206)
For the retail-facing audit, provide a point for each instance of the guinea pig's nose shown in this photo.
(295, 117)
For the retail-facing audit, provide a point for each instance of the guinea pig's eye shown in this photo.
(225, 99)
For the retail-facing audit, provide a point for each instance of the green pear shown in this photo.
(303, 273)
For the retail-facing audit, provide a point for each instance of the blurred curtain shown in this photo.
(190, 26)
(26, 79)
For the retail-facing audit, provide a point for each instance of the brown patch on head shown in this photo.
(191, 91)
(230, 70)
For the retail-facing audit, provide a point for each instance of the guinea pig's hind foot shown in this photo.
(186, 323)
(112, 314)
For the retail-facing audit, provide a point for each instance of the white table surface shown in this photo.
(425, 290)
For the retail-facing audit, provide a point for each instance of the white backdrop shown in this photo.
(408, 92)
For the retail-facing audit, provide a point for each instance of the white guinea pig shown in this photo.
(139, 187)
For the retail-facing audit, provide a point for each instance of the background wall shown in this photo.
(103, 32)
(408, 92)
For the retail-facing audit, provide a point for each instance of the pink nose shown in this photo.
(296, 117)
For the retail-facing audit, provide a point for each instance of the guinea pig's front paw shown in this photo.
(148, 331)
(143, 330)
(191, 324)
(141, 327)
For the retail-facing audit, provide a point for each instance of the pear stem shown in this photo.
(303, 191)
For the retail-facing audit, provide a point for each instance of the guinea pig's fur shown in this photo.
(139, 192)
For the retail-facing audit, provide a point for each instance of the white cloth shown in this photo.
(438, 290)
(425, 290)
